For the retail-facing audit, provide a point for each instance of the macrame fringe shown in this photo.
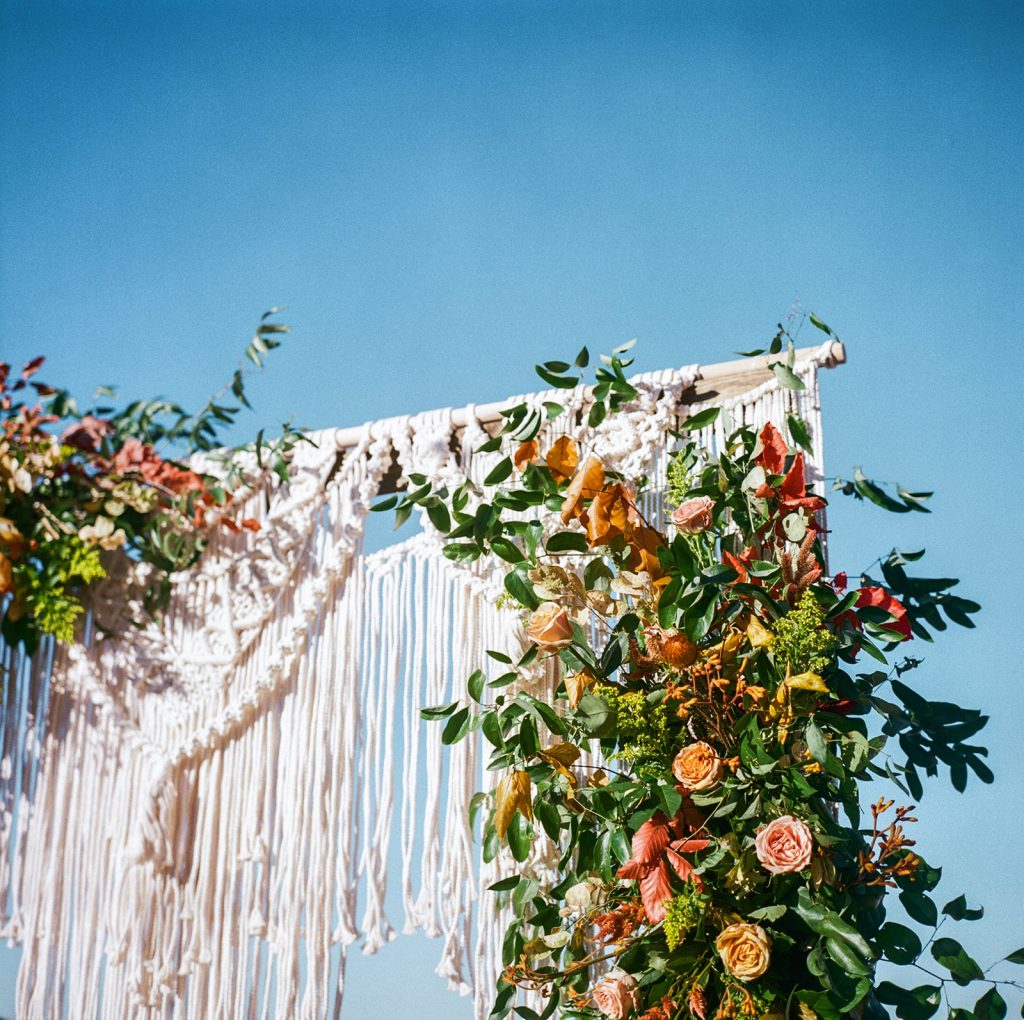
(197, 820)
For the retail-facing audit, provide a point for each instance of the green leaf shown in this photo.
(595, 715)
(1017, 956)
(475, 685)
(548, 816)
(787, 377)
(504, 884)
(991, 1006)
(959, 911)
(582, 359)
(899, 943)
(461, 552)
(438, 711)
(438, 514)
(499, 472)
(519, 836)
(911, 1004)
(700, 419)
(815, 321)
(597, 413)
(558, 381)
(920, 907)
(772, 913)
(455, 729)
(567, 541)
(843, 954)
(521, 590)
(816, 743)
(798, 430)
(507, 550)
(951, 955)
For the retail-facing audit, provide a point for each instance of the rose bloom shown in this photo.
(694, 515)
(697, 766)
(615, 996)
(784, 845)
(549, 626)
(745, 950)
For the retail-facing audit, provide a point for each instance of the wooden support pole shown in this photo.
(714, 382)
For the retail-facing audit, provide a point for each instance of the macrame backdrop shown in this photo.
(199, 816)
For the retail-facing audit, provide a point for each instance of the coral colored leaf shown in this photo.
(609, 515)
(773, 454)
(654, 890)
(563, 458)
(651, 839)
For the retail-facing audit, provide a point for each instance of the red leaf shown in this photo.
(654, 890)
(683, 868)
(793, 485)
(773, 455)
(650, 840)
(250, 524)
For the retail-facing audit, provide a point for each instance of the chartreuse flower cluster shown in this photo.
(718, 861)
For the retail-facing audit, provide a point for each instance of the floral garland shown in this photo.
(721, 862)
(72, 501)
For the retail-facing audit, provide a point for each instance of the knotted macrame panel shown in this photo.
(199, 817)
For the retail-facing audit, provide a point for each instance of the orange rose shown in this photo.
(784, 845)
(616, 995)
(549, 626)
(745, 950)
(697, 766)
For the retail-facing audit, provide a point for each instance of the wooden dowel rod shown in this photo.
(724, 379)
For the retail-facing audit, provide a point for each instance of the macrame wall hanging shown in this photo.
(198, 818)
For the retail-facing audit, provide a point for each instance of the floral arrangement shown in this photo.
(97, 488)
(720, 861)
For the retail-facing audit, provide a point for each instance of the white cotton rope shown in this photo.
(197, 818)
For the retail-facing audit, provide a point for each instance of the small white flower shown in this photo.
(556, 939)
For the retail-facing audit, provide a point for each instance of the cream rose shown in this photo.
(745, 950)
(549, 626)
(615, 996)
(693, 516)
(697, 766)
(784, 845)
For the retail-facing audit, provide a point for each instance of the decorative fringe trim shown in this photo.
(196, 820)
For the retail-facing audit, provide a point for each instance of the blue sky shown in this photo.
(442, 194)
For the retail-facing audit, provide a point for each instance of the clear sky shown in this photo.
(442, 194)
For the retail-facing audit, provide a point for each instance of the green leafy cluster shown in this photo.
(802, 641)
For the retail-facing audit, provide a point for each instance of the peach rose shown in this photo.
(549, 626)
(697, 766)
(615, 996)
(693, 516)
(745, 950)
(784, 845)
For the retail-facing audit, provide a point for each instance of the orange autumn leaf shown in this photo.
(577, 684)
(645, 543)
(610, 514)
(563, 458)
(528, 453)
(586, 484)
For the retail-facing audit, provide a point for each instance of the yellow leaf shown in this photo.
(807, 682)
(511, 795)
(562, 754)
(576, 685)
(563, 458)
(758, 634)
